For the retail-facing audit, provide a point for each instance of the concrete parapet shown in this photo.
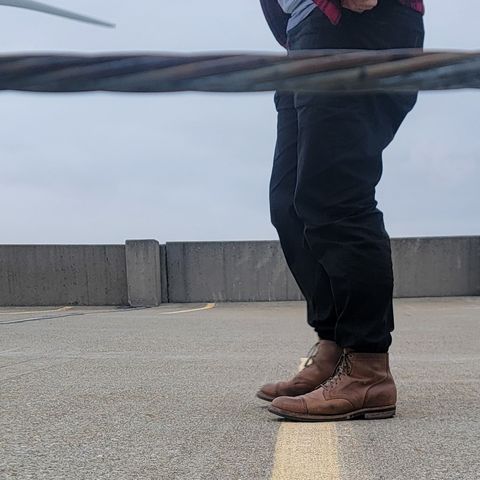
(228, 272)
(436, 267)
(143, 273)
(62, 275)
(256, 271)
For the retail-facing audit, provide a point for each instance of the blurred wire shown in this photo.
(308, 71)
(60, 12)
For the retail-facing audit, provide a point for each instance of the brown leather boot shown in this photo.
(362, 387)
(320, 365)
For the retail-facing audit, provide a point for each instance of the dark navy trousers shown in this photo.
(328, 161)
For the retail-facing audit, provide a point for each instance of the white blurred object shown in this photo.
(41, 7)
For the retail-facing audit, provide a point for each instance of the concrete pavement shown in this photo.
(168, 392)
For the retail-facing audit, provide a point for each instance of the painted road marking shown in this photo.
(63, 309)
(307, 451)
(208, 306)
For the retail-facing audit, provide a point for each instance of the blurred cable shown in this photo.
(308, 71)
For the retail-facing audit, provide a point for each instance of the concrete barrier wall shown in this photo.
(228, 271)
(436, 267)
(143, 273)
(209, 271)
(256, 271)
(62, 275)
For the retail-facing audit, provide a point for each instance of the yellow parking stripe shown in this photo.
(306, 451)
(63, 309)
(208, 306)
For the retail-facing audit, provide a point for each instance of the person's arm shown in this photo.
(277, 20)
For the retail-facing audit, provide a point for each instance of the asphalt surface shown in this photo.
(89, 393)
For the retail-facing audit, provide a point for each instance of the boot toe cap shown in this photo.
(268, 392)
(290, 404)
(269, 389)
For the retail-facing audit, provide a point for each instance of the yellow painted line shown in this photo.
(208, 306)
(63, 309)
(306, 451)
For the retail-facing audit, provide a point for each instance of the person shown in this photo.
(327, 164)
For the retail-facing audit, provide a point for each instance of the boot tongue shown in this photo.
(323, 351)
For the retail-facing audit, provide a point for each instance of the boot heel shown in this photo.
(380, 415)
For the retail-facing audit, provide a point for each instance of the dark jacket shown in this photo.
(277, 20)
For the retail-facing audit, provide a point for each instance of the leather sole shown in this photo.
(264, 396)
(365, 413)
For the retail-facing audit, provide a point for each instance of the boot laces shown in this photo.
(311, 355)
(344, 367)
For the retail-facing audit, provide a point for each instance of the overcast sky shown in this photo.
(101, 168)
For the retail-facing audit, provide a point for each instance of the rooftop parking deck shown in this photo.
(169, 392)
